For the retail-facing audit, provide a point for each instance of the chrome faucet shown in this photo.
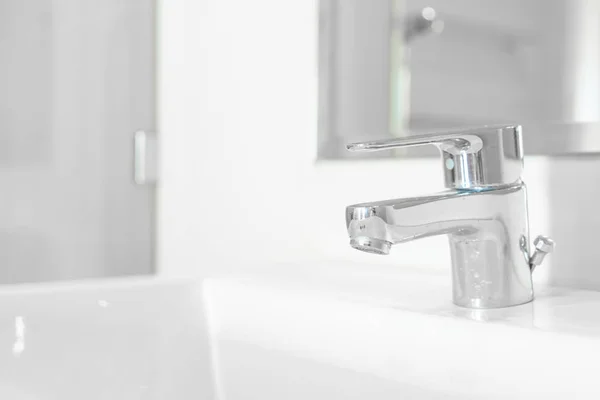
(483, 212)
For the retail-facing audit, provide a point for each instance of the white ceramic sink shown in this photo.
(129, 339)
(327, 332)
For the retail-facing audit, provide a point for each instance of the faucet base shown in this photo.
(482, 305)
(490, 266)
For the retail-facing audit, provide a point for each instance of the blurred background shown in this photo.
(253, 103)
(411, 65)
(78, 79)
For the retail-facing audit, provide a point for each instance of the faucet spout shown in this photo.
(404, 220)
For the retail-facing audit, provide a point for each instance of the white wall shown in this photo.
(238, 122)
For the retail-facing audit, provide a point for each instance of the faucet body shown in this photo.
(487, 230)
(483, 212)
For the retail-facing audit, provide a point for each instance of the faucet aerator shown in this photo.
(371, 245)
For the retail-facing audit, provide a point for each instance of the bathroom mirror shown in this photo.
(390, 68)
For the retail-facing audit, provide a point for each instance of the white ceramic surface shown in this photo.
(129, 339)
(332, 331)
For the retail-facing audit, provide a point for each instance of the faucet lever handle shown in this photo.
(447, 142)
(474, 159)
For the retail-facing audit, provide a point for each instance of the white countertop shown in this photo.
(399, 325)
(324, 331)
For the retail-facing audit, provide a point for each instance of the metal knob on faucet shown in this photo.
(543, 246)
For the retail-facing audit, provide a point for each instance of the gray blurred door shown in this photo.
(76, 82)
